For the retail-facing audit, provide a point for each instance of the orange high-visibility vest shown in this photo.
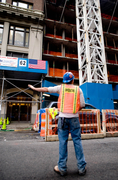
(69, 99)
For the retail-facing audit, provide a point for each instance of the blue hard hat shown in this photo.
(68, 76)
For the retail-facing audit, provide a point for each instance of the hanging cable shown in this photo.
(45, 8)
(63, 10)
(112, 16)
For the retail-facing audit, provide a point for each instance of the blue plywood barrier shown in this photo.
(40, 111)
(116, 88)
(99, 95)
(115, 93)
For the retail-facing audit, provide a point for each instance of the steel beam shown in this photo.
(91, 51)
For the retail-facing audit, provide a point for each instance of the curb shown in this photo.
(16, 130)
(7, 130)
(22, 130)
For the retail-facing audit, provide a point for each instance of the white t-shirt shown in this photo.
(56, 89)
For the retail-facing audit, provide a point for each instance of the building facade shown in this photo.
(21, 35)
(46, 30)
(60, 39)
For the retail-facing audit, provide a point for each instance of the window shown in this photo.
(22, 4)
(15, 54)
(3, 1)
(19, 36)
(1, 32)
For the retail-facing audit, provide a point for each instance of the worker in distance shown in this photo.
(70, 101)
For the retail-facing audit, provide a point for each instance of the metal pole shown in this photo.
(1, 95)
(41, 94)
(45, 9)
(112, 16)
(63, 11)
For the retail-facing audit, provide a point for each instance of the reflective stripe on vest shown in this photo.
(69, 99)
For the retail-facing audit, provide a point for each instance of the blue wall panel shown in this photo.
(116, 88)
(99, 95)
(49, 84)
(115, 95)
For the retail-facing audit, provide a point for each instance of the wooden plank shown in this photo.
(111, 124)
(83, 136)
(46, 125)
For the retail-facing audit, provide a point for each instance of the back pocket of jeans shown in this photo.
(75, 123)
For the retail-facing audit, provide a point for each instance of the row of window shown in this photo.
(20, 4)
(18, 36)
(1, 32)
(3, 1)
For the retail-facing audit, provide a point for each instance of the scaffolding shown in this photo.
(91, 52)
(8, 99)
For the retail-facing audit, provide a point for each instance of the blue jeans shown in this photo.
(71, 125)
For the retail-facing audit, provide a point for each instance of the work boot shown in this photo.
(62, 173)
(82, 173)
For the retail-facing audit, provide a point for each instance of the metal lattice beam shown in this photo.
(91, 52)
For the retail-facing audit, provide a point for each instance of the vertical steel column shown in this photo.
(91, 52)
(41, 94)
(1, 95)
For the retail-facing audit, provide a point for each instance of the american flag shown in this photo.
(37, 64)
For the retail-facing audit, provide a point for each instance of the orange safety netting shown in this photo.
(71, 55)
(113, 78)
(54, 53)
(60, 72)
(111, 61)
(109, 17)
(111, 120)
(54, 36)
(88, 123)
(68, 38)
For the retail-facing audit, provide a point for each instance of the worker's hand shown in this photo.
(30, 86)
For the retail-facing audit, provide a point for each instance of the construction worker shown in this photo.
(70, 101)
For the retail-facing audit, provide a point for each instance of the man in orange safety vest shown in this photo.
(70, 101)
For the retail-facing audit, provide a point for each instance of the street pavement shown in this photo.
(26, 156)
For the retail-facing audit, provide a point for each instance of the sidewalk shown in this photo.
(18, 126)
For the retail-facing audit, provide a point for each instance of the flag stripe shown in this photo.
(37, 64)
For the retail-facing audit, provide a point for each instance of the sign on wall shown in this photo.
(8, 61)
(23, 64)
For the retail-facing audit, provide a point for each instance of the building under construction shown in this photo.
(78, 36)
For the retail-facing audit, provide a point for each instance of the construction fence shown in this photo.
(94, 124)
(110, 123)
(89, 122)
